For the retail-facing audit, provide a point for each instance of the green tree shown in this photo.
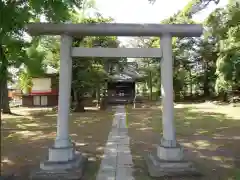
(12, 34)
(91, 73)
(224, 28)
(194, 58)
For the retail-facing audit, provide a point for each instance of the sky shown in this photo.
(141, 11)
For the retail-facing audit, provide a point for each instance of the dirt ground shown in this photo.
(210, 134)
(25, 139)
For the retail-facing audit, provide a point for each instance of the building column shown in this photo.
(169, 137)
(168, 159)
(63, 150)
(168, 148)
(62, 156)
(65, 79)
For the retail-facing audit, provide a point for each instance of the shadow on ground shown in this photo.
(25, 139)
(211, 140)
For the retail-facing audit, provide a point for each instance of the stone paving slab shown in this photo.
(123, 141)
(106, 175)
(109, 154)
(123, 149)
(108, 167)
(117, 161)
(110, 160)
(124, 161)
(111, 148)
(124, 174)
(123, 130)
(113, 132)
(112, 145)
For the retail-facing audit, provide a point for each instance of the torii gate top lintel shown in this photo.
(115, 29)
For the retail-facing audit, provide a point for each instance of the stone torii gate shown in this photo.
(63, 160)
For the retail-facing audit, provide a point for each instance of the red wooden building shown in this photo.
(44, 91)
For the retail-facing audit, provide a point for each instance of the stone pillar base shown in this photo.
(61, 170)
(170, 154)
(159, 167)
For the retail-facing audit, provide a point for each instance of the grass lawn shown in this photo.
(210, 134)
(25, 139)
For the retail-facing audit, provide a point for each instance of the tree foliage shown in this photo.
(227, 37)
(207, 66)
(13, 38)
(90, 74)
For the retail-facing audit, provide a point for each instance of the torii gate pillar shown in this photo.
(168, 159)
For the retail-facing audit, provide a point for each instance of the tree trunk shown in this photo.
(0, 100)
(94, 93)
(103, 100)
(98, 95)
(191, 83)
(5, 99)
(224, 96)
(79, 106)
(206, 82)
(149, 81)
(150, 84)
(103, 103)
(206, 89)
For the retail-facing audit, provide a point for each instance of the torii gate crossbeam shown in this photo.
(115, 29)
(169, 157)
(116, 52)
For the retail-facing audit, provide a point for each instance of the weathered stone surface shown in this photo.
(106, 175)
(158, 168)
(74, 173)
(123, 141)
(170, 154)
(109, 163)
(124, 174)
(124, 149)
(125, 161)
(117, 161)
